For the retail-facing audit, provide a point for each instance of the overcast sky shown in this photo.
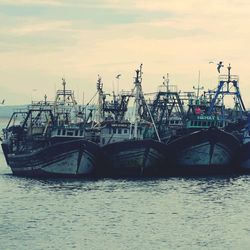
(42, 41)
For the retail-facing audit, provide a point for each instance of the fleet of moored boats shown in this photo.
(166, 133)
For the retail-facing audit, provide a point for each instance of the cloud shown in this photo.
(33, 2)
(61, 3)
(42, 40)
(40, 26)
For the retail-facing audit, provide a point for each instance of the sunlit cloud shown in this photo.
(42, 40)
(41, 27)
(32, 2)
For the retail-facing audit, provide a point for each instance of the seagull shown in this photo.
(219, 65)
(118, 76)
(211, 62)
(3, 101)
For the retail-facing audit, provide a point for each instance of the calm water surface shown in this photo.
(169, 213)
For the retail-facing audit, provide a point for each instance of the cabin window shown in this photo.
(70, 133)
(64, 132)
(81, 132)
(172, 122)
(114, 130)
(125, 131)
(119, 130)
(199, 124)
(76, 133)
(195, 123)
(176, 122)
(221, 124)
(58, 132)
(209, 124)
(204, 124)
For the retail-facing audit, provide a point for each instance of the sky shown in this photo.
(43, 41)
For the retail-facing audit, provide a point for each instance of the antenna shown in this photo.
(166, 81)
(141, 71)
(99, 83)
(198, 87)
(99, 86)
(64, 84)
(229, 72)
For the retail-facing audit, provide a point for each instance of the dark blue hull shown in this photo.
(134, 157)
(206, 152)
(65, 158)
(244, 158)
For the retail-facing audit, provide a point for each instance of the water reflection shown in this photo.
(166, 213)
(148, 213)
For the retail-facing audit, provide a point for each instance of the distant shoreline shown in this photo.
(6, 111)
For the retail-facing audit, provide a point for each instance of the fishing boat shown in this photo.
(209, 141)
(68, 158)
(130, 145)
(44, 141)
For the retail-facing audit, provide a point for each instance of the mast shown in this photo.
(64, 90)
(137, 83)
(166, 81)
(99, 86)
(45, 99)
(139, 100)
(229, 72)
(198, 87)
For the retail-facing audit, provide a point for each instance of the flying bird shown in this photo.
(3, 101)
(118, 76)
(219, 65)
(211, 62)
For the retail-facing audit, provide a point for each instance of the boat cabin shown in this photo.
(115, 132)
(68, 132)
(205, 122)
(175, 122)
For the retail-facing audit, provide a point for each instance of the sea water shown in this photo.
(159, 213)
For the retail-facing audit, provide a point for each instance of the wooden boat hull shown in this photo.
(209, 151)
(134, 157)
(66, 158)
(244, 158)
